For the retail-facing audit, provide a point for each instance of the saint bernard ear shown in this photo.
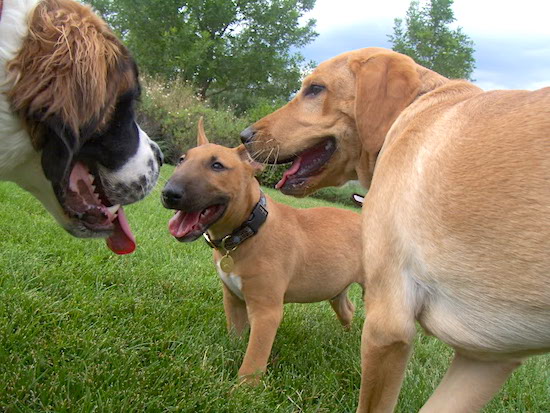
(68, 75)
(58, 150)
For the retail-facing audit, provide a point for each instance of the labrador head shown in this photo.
(334, 128)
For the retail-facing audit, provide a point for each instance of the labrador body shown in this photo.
(457, 215)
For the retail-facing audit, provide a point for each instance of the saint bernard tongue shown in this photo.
(84, 202)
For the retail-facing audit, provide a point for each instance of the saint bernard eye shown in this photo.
(181, 159)
(314, 90)
(217, 166)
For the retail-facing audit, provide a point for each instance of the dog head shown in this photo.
(334, 128)
(212, 186)
(74, 89)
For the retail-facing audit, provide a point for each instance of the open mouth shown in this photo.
(188, 226)
(307, 164)
(85, 201)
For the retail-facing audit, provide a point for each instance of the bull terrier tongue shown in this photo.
(183, 222)
(122, 241)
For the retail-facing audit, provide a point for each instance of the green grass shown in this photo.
(83, 330)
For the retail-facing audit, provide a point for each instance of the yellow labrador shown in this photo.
(458, 213)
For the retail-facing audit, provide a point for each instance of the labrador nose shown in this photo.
(247, 135)
(171, 196)
(158, 153)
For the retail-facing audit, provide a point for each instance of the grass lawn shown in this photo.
(83, 330)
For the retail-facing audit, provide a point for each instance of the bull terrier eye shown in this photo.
(314, 90)
(181, 159)
(217, 166)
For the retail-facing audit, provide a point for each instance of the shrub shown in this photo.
(169, 113)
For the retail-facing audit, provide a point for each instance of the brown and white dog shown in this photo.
(457, 216)
(277, 253)
(67, 130)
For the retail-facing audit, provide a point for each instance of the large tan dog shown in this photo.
(266, 254)
(457, 216)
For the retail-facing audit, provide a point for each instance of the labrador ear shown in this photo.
(201, 136)
(385, 84)
(245, 157)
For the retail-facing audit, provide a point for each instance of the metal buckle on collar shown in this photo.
(208, 240)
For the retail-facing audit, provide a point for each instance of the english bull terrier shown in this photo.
(266, 253)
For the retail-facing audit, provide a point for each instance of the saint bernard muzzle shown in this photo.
(67, 127)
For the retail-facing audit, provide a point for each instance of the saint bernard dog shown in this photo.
(67, 131)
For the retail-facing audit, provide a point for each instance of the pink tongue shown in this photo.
(122, 241)
(183, 222)
(289, 172)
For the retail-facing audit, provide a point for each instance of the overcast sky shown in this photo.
(512, 38)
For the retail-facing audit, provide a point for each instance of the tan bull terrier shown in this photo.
(266, 253)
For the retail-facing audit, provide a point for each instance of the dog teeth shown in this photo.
(114, 209)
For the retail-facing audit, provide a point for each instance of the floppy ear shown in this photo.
(201, 136)
(385, 84)
(60, 146)
(245, 157)
(70, 68)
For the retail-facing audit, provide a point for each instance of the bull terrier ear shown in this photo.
(201, 136)
(245, 157)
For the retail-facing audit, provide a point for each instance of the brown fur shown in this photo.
(298, 255)
(457, 216)
(70, 66)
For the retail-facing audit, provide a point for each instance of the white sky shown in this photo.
(512, 38)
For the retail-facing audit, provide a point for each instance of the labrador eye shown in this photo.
(217, 166)
(181, 159)
(314, 90)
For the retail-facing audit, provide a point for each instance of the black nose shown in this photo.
(171, 196)
(247, 135)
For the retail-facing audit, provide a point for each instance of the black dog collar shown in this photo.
(248, 229)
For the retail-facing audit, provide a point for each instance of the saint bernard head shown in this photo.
(72, 87)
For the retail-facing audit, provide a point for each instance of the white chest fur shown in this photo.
(231, 281)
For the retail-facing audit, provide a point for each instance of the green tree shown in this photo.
(428, 39)
(231, 51)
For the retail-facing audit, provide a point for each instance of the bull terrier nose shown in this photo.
(171, 196)
(247, 135)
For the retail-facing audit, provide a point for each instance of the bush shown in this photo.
(169, 113)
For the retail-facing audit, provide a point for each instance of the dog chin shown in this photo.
(192, 236)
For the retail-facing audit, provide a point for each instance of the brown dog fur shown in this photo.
(457, 216)
(298, 255)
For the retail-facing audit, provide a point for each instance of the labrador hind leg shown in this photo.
(469, 384)
(343, 308)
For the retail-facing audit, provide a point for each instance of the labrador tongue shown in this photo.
(122, 241)
(183, 222)
(289, 172)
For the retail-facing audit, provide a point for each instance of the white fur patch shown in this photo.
(231, 281)
(15, 146)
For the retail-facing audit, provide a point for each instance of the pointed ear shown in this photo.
(201, 136)
(245, 157)
(385, 84)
